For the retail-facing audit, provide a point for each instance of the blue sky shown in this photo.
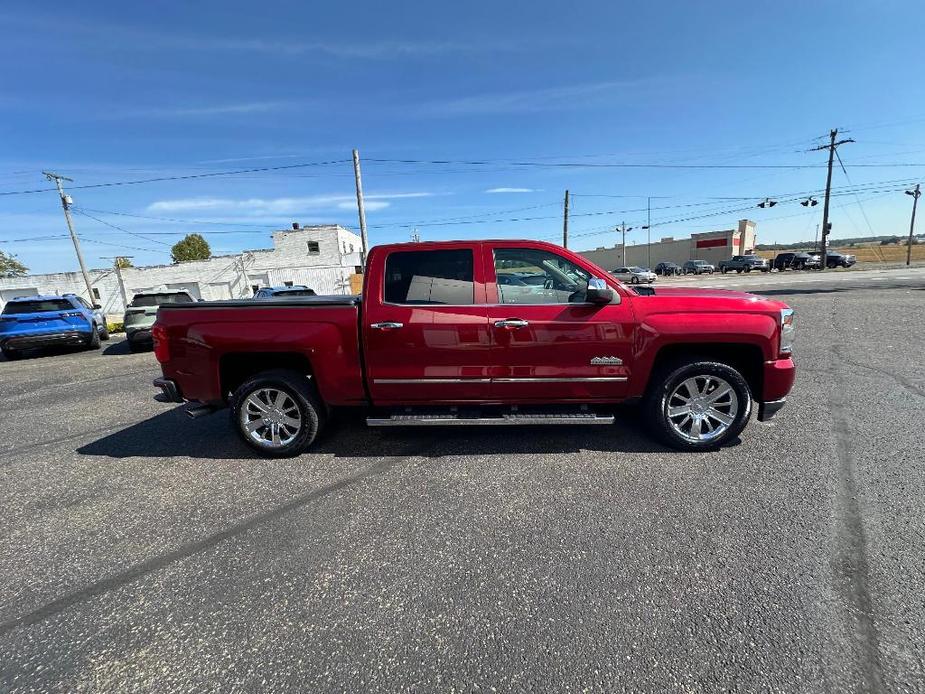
(112, 92)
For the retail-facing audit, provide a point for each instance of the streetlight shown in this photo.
(916, 193)
(623, 229)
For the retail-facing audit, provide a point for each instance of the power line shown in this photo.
(626, 165)
(171, 219)
(118, 228)
(186, 177)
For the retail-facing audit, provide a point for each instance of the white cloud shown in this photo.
(277, 206)
(551, 98)
(205, 111)
(511, 190)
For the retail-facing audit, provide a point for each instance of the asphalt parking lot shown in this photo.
(141, 550)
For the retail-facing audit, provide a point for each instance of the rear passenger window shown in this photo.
(429, 277)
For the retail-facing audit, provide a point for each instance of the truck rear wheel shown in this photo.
(697, 405)
(277, 413)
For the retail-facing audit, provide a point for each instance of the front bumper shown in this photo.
(766, 410)
(779, 375)
(65, 337)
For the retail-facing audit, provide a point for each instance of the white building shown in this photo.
(320, 257)
(711, 246)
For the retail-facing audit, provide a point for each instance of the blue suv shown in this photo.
(283, 292)
(43, 321)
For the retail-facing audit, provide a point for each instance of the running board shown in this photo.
(512, 419)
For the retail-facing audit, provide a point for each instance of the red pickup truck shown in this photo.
(481, 332)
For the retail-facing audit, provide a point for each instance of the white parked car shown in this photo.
(634, 275)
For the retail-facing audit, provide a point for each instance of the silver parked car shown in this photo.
(142, 311)
(634, 274)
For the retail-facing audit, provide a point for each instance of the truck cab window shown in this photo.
(530, 276)
(429, 277)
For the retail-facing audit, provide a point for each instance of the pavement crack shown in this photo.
(849, 561)
(902, 381)
(154, 564)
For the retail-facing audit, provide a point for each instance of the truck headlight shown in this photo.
(787, 316)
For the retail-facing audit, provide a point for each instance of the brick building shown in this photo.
(320, 257)
(711, 246)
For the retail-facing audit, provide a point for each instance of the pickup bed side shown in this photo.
(212, 345)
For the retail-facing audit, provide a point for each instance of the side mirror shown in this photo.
(97, 306)
(598, 292)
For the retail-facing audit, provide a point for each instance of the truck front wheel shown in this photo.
(698, 405)
(277, 413)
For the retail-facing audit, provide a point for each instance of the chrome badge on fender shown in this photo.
(606, 361)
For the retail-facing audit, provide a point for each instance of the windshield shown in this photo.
(38, 306)
(158, 299)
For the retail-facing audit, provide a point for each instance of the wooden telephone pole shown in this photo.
(916, 194)
(828, 189)
(565, 223)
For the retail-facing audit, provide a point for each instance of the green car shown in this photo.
(141, 313)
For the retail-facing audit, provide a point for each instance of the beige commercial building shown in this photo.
(711, 246)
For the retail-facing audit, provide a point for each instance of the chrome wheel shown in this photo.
(270, 417)
(702, 408)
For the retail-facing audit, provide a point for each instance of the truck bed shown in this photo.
(210, 341)
(324, 300)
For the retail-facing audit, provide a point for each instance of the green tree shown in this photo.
(11, 267)
(192, 247)
(122, 262)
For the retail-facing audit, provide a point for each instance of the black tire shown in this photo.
(738, 271)
(748, 268)
(302, 392)
(94, 340)
(634, 280)
(724, 270)
(11, 354)
(104, 333)
(766, 269)
(667, 378)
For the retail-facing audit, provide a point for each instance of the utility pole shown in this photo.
(816, 242)
(118, 268)
(244, 279)
(565, 223)
(361, 211)
(66, 204)
(916, 194)
(648, 228)
(623, 229)
(415, 236)
(828, 188)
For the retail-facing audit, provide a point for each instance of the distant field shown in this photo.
(870, 254)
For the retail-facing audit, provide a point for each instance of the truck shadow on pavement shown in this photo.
(173, 434)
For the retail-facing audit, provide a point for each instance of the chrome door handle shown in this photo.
(512, 323)
(388, 325)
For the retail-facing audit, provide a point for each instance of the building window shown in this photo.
(254, 288)
(288, 284)
(96, 293)
(313, 248)
(351, 248)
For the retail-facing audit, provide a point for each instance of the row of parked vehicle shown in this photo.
(739, 264)
(36, 322)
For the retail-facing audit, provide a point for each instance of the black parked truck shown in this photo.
(744, 263)
(796, 261)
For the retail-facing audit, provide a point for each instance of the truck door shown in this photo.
(425, 326)
(548, 344)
